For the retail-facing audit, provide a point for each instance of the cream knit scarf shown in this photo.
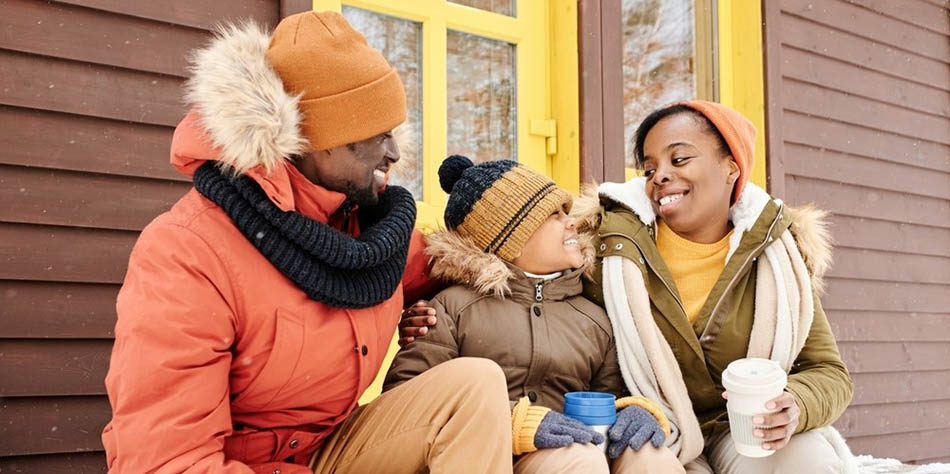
(783, 315)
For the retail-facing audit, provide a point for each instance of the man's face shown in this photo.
(359, 170)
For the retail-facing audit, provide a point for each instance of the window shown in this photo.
(667, 56)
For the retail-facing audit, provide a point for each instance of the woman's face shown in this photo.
(689, 179)
(552, 248)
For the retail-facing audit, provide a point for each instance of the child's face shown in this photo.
(689, 180)
(552, 248)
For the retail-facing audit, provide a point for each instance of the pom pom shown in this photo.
(451, 170)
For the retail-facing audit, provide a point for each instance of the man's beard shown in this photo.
(362, 197)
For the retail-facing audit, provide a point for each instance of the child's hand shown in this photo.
(634, 427)
(415, 322)
(558, 431)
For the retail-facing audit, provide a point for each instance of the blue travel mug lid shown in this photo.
(590, 410)
(589, 398)
(595, 420)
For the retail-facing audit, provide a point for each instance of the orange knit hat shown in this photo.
(739, 134)
(348, 90)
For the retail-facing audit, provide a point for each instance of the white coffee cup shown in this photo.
(751, 383)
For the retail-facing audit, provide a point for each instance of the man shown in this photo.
(258, 309)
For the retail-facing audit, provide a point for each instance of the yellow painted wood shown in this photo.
(564, 165)
(741, 73)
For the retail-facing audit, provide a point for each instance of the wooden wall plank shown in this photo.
(31, 309)
(880, 326)
(815, 69)
(74, 142)
(822, 132)
(591, 92)
(83, 34)
(870, 420)
(64, 254)
(197, 13)
(869, 295)
(910, 446)
(71, 463)
(815, 100)
(820, 39)
(62, 424)
(863, 357)
(83, 199)
(860, 201)
(86, 89)
(44, 367)
(915, 12)
(890, 266)
(872, 26)
(821, 163)
(859, 232)
(897, 387)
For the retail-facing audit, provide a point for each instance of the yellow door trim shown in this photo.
(741, 73)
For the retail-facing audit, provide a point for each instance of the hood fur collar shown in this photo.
(809, 225)
(241, 100)
(457, 259)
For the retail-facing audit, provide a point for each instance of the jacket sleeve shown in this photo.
(416, 282)
(168, 377)
(438, 346)
(819, 380)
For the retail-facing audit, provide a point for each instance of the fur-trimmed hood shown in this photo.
(240, 116)
(458, 260)
(808, 224)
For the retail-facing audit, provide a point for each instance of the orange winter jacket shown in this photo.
(221, 364)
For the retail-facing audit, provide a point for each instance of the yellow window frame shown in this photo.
(546, 77)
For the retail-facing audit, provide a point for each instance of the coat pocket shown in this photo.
(280, 366)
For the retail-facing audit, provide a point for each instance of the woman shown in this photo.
(697, 268)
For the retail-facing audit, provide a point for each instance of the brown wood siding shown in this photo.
(91, 95)
(859, 123)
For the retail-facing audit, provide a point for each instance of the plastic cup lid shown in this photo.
(754, 375)
(589, 398)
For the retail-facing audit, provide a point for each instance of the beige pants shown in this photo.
(588, 459)
(807, 452)
(453, 418)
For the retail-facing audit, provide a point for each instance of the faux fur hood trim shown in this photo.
(808, 224)
(458, 260)
(241, 100)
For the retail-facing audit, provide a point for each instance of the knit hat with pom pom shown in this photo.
(498, 204)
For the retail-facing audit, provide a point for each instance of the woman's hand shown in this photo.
(415, 322)
(775, 429)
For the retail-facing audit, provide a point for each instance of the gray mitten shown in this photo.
(633, 428)
(558, 431)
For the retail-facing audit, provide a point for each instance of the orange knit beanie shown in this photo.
(739, 133)
(348, 90)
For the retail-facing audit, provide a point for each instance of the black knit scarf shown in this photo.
(331, 267)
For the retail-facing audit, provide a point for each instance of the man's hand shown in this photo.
(415, 322)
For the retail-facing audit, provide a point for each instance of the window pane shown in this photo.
(505, 7)
(658, 59)
(400, 41)
(481, 97)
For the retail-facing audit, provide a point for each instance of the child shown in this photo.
(516, 261)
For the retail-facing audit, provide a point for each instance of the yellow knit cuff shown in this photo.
(650, 406)
(525, 420)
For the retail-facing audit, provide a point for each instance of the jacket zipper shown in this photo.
(537, 292)
(668, 287)
(768, 240)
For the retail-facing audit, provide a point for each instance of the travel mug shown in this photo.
(597, 410)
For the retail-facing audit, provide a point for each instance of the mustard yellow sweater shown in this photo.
(695, 267)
